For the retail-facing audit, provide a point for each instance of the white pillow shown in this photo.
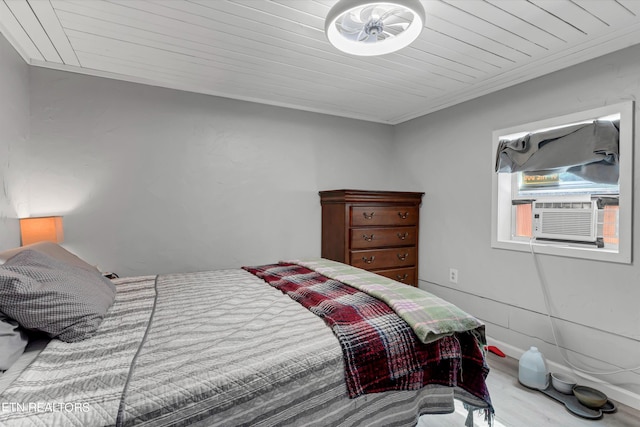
(53, 250)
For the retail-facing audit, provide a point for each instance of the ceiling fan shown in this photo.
(368, 28)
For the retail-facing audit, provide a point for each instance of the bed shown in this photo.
(228, 348)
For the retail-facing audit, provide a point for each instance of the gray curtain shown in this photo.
(587, 150)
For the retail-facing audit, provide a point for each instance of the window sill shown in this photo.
(565, 249)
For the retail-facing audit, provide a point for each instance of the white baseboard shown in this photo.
(614, 392)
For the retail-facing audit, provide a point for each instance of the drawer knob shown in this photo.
(368, 260)
(403, 257)
(367, 238)
(403, 236)
(402, 277)
(403, 215)
(368, 216)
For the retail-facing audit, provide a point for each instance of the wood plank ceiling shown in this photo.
(275, 51)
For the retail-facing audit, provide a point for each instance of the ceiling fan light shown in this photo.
(369, 28)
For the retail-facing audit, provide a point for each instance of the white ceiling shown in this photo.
(275, 51)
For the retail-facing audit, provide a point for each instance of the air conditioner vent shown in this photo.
(564, 205)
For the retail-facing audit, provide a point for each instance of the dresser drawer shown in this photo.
(362, 216)
(375, 259)
(403, 275)
(369, 238)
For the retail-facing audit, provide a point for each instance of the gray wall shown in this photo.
(14, 132)
(152, 180)
(597, 303)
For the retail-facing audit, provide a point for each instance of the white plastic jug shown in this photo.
(532, 370)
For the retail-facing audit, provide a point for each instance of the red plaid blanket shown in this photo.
(381, 352)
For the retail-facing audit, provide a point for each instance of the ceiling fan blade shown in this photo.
(391, 32)
(366, 13)
(348, 27)
(396, 24)
(352, 20)
(396, 19)
(396, 28)
(396, 11)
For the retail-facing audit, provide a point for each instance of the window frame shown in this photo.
(502, 224)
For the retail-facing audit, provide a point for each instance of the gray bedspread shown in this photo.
(217, 348)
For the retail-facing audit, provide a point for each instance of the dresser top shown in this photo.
(354, 196)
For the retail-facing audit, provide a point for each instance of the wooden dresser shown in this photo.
(373, 230)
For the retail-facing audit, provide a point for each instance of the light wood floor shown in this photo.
(518, 406)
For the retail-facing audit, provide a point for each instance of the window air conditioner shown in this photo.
(572, 221)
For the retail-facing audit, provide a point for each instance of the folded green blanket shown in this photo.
(429, 316)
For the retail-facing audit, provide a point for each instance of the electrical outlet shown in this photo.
(453, 275)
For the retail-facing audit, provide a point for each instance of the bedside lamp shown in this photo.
(42, 229)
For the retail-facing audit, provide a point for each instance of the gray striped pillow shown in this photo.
(45, 294)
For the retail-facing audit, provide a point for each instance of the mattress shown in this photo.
(215, 348)
(32, 351)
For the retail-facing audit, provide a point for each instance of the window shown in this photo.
(522, 189)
